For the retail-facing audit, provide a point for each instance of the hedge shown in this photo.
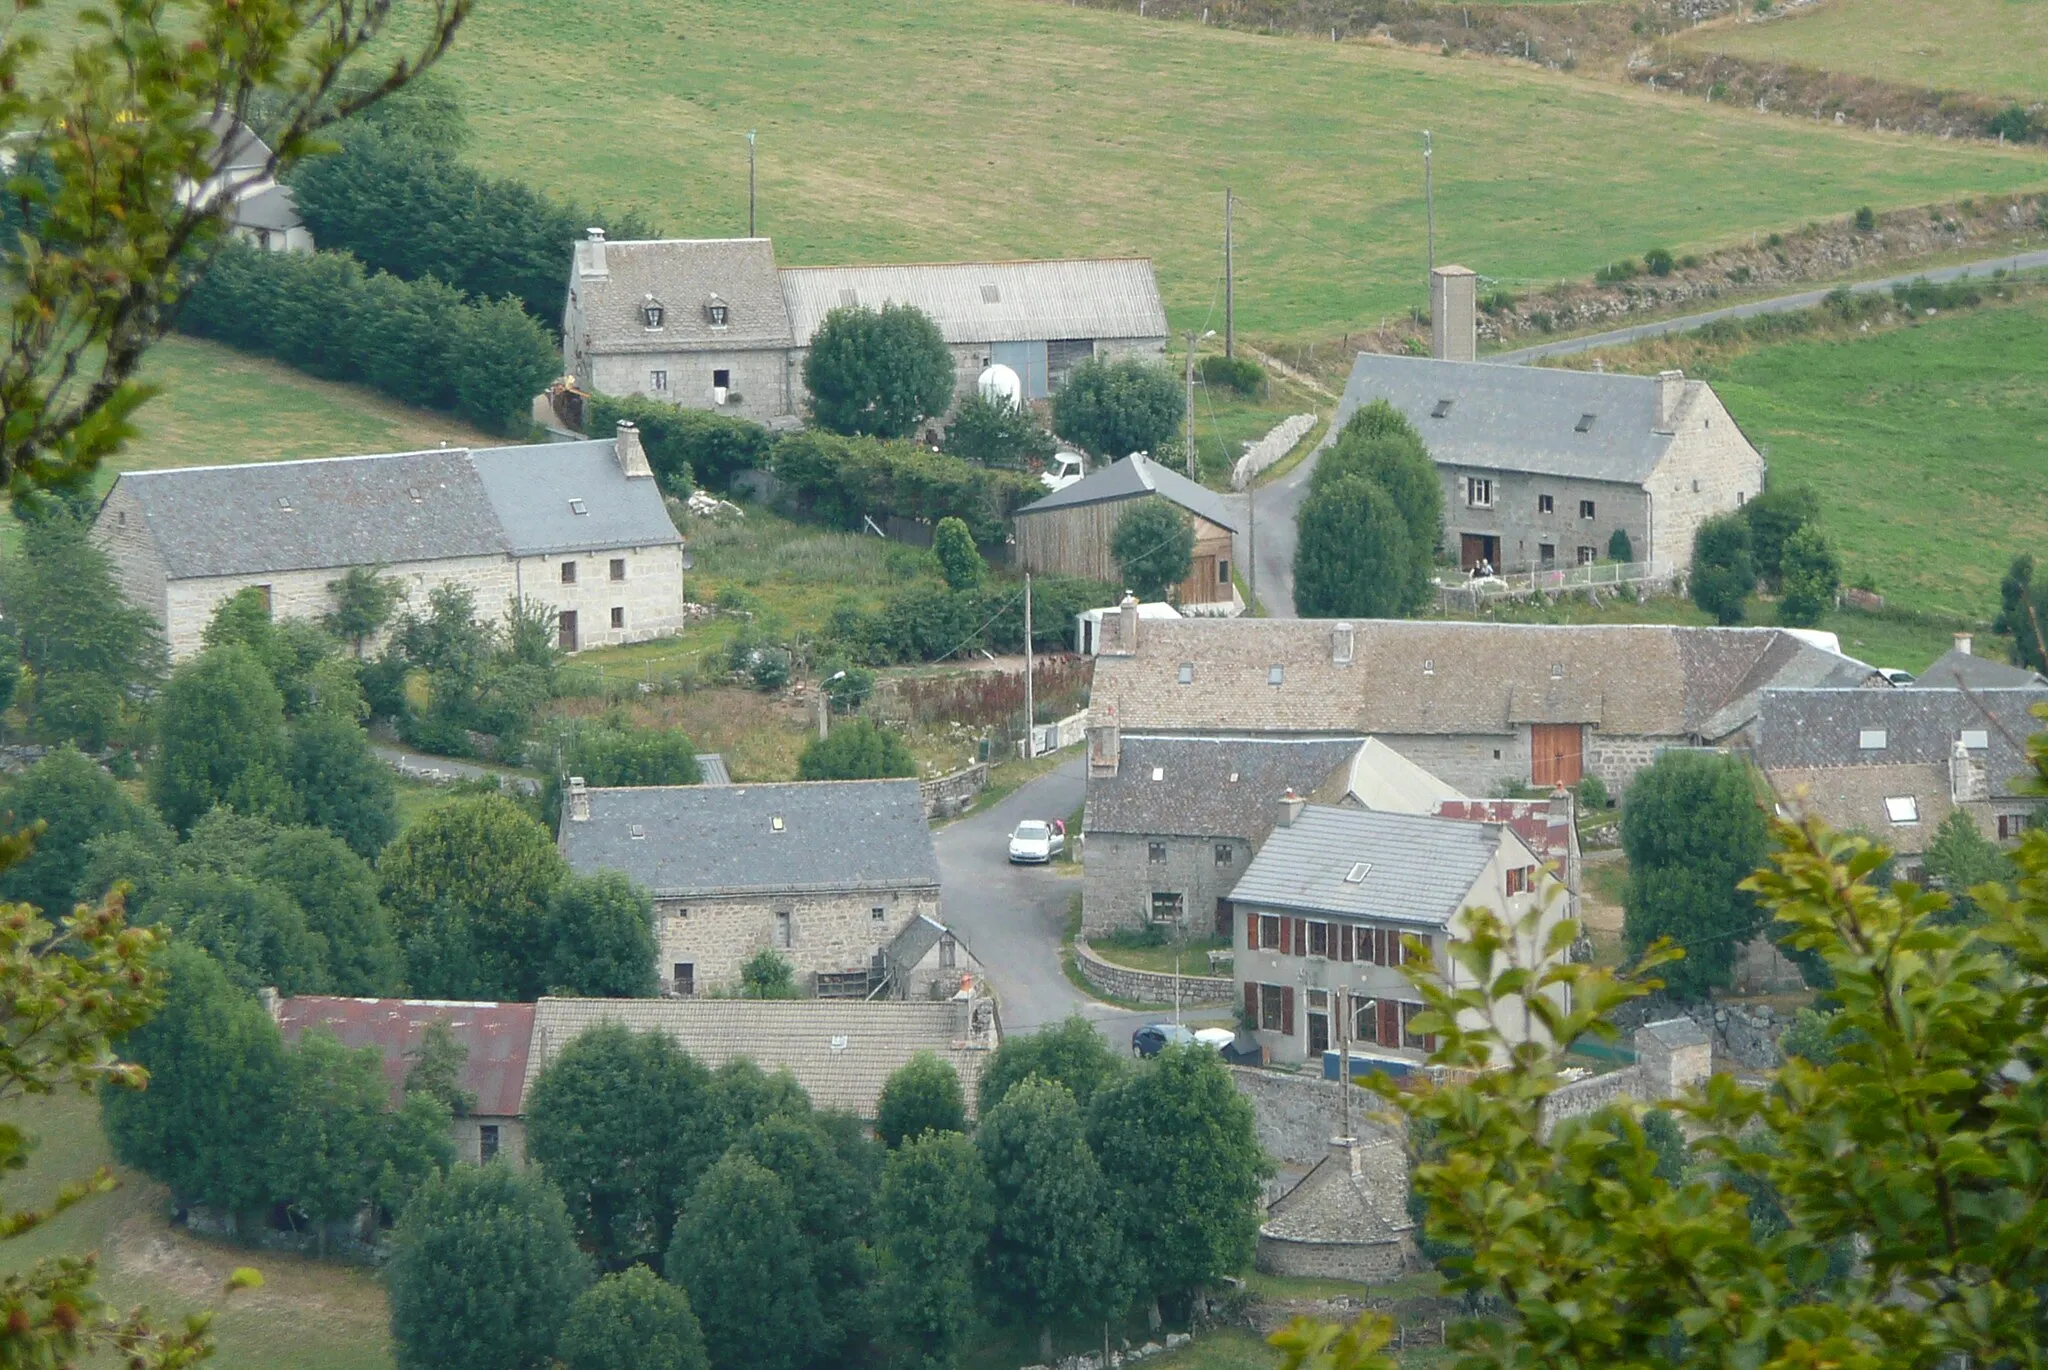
(837, 480)
(686, 447)
(930, 622)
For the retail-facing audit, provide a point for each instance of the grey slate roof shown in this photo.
(911, 945)
(395, 508)
(1421, 868)
(1811, 729)
(700, 840)
(1137, 475)
(683, 274)
(273, 207)
(1955, 668)
(1102, 297)
(1518, 418)
(1852, 798)
(1208, 786)
(1677, 1032)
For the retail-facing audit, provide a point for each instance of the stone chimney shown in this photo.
(272, 1001)
(1343, 639)
(1291, 805)
(1967, 782)
(1560, 815)
(1105, 748)
(1453, 309)
(632, 456)
(590, 263)
(1670, 396)
(579, 800)
(1344, 1151)
(1126, 626)
(1963, 644)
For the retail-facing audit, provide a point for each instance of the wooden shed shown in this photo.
(1068, 533)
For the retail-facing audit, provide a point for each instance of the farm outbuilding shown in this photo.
(1068, 533)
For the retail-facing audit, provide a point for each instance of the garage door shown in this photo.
(1555, 754)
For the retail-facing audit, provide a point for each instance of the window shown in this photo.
(721, 379)
(1546, 553)
(949, 952)
(1225, 855)
(1902, 809)
(618, 568)
(1429, 668)
(1588, 555)
(2011, 825)
(652, 312)
(716, 312)
(1740, 499)
(877, 914)
(1410, 1038)
(785, 931)
(1187, 673)
(578, 507)
(1585, 423)
(618, 616)
(121, 519)
(1318, 939)
(1695, 487)
(637, 833)
(1223, 570)
(1155, 852)
(1365, 1019)
(568, 573)
(1166, 906)
(1159, 772)
(486, 1142)
(1585, 508)
(1269, 932)
(1521, 879)
(1871, 739)
(1545, 504)
(1441, 410)
(1356, 875)
(685, 979)
(1479, 492)
(1976, 739)
(657, 380)
(1276, 675)
(1272, 1007)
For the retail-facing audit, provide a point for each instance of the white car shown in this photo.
(1064, 469)
(1035, 842)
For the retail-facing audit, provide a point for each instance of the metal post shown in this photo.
(1429, 199)
(1252, 542)
(1030, 700)
(750, 183)
(824, 714)
(1229, 284)
(1190, 453)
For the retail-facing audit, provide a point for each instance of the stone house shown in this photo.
(261, 212)
(927, 960)
(1171, 823)
(828, 874)
(1069, 532)
(712, 323)
(495, 1036)
(578, 527)
(1347, 1219)
(1475, 704)
(1323, 908)
(1542, 466)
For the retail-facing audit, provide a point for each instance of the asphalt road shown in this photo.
(1279, 504)
(1012, 917)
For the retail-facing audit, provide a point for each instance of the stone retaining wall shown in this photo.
(1743, 1033)
(1359, 1262)
(1149, 987)
(950, 794)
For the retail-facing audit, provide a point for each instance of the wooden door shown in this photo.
(565, 630)
(1556, 753)
(1474, 548)
(1318, 1034)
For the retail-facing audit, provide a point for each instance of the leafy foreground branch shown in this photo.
(1909, 1174)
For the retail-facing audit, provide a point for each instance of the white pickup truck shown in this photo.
(1063, 470)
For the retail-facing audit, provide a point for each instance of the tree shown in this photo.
(220, 728)
(954, 546)
(2023, 613)
(996, 432)
(879, 372)
(633, 1320)
(363, 603)
(502, 357)
(341, 784)
(859, 750)
(922, 1096)
(1723, 571)
(88, 647)
(1692, 828)
(740, 1255)
(1181, 1150)
(1380, 444)
(1154, 548)
(1115, 408)
(1054, 1250)
(436, 1070)
(338, 891)
(767, 975)
(1071, 1053)
(600, 934)
(621, 1122)
(76, 801)
(1353, 557)
(468, 887)
(1961, 859)
(255, 930)
(1773, 517)
(935, 1213)
(608, 753)
(1810, 577)
(743, 1094)
(484, 1270)
(1619, 548)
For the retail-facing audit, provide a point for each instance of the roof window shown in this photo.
(1429, 665)
(1187, 673)
(1585, 423)
(1159, 772)
(991, 295)
(1276, 675)
(716, 312)
(413, 492)
(1976, 739)
(775, 823)
(1442, 410)
(1871, 739)
(1902, 808)
(577, 506)
(636, 832)
(849, 298)
(1356, 875)
(284, 502)
(1557, 670)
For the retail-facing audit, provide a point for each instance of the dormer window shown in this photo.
(715, 312)
(652, 312)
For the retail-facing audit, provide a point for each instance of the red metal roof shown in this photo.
(497, 1036)
(1529, 818)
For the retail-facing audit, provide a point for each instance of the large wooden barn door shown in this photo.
(1556, 755)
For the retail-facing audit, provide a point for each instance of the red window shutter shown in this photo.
(1251, 1002)
(1287, 1010)
(1301, 937)
(1390, 1023)
(1287, 937)
(1344, 943)
(1251, 930)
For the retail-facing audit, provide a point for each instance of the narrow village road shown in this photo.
(1012, 917)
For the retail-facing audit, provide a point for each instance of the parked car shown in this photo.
(1035, 842)
(1896, 676)
(1063, 470)
(1150, 1039)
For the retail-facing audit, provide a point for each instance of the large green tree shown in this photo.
(254, 929)
(1115, 408)
(338, 891)
(2023, 612)
(921, 1096)
(76, 801)
(996, 432)
(1960, 859)
(484, 1270)
(1692, 827)
(1353, 557)
(1774, 516)
(934, 1216)
(611, 752)
(1070, 1052)
(1379, 443)
(739, 1252)
(633, 1320)
(221, 740)
(831, 1171)
(1723, 571)
(600, 936)
(1153, 547)
(341, 784)
(857, 750)
(878, 372)
(958, 557)
(87, 646)
(1810, 576)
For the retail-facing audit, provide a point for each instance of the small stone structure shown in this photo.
(949, 795)
(1672, 1056)
(1347, 1219)
(1147, 986)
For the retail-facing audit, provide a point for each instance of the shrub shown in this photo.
(1153, 547)
(1615, 272)
(859, 750)
(996, 433)
(1811, 578)
(1497, 301)
(1240, 374)
(954, 547)
(878, 372)
(1619, 547)
(1723, 573)
(1658, 261)
(686, 447)
(837, 480)
(1865, 219)
(1592, 793)
(2013, 123)
(1114, 408)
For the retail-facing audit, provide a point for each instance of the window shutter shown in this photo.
(1287, 1010)
(1251, 1002)
(1301, 937)
(1344, 942)
(1286, 936)
(1390, 1023)
(1251, 930)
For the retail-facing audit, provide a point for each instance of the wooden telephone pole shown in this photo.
(1229, 284)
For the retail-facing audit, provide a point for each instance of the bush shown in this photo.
(1115, 408)
(1658, 261)
(1153, 547)
(996, 433)
(1865, 220)
(1616, 272)
(1812, 577)
(878, 372)
(1498, 302)
(1620, 548)
(859, 750)
(1723, 572)
(2013, 123)
(1240, 374)
(837, 480)
(953, 545)
(686, 447)
(1592, 793)
(1773, 517)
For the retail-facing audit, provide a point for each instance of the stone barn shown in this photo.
(1348, 1217)
(1069, 532)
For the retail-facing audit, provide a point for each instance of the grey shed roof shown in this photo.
(1518, 418)
(699, 840)
(392, 509)
(711, 766)
(1955, 668)
(683, 274)
(1420, 869)
(982, 302)
(1208, 786)
(272, 207)
(1811, 729)
(918, 937)
(1137, 475)
(1677, 1032)
(236, 146)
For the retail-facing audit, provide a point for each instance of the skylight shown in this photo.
(1356, 875)
(1871, 739)
(1276, 675)
(1585, 423)
(991, 295)
(576, 506)
(1902, 808)
(1976, 739)
(1442, 410)
(1187, 673)
(775, 823)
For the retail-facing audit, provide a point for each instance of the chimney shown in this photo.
(1453, 325)
(1127, 625)
(1670, 395)
(590, 262)
(1291, 805)
(1967, 782)
(1105, 748)
(579, 800)
(1962, 644)
(632, 457)
(273, 1003)
(1342, 640)
(1344, 1151)
(1560, 815)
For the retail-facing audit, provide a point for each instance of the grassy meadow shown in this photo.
(1991, 47)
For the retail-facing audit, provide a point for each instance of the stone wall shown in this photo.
(1523, 530)
(1592, 1094)
(1297, 1115)
(1149, 987)
(1746, 1034)
(761, 378)
(649, 597)
(1359, 1262)
(951, 794)
(829, 932)
(1119, 878)
(1708, 469)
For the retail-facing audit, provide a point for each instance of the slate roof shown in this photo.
(982, 302)
(1421, 869)
(1955, 668)
(396, 508)
(841, 1051)
(1381, 778)
(1677, 1032)
(1810, 729)
(915, 942)
(703, 840)
(1137, 475)
(1345, 1198)
(273, 207)
(1853, 797)
(497, 1037)
(1519, 418)
(235, 145)
(1208, 786)
(1436, 677)
(683, 274)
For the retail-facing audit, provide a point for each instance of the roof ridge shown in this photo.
(314, 461)
(984, 262)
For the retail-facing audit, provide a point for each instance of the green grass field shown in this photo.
(1992, 47)
(950, 129)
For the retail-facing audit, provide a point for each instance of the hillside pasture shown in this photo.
(1988, 47)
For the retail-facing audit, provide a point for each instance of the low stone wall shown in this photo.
(1277, 443)
(949, 794)
(1743, 1033)
(1360, 1262)
(1590, 1095)
(1149, 987)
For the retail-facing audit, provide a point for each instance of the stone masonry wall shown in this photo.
(1149, 987)
(1297, 1115)
(304, 594)
(138, 567)
(1359, 1262)
(1119, 878)
(651, 595)
(1709, 469)
(762, 378)
(830, 932)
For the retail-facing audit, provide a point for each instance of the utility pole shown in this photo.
(750, 183)
(1251, 567)
(1229, 284)
(1030, 700)
(1190, 453)
(1429, 199)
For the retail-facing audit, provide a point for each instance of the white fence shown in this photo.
(1051, 737)
(1269, 449)
(1553, 580)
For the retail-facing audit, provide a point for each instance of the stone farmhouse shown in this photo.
(1541, 467)
(1472, 703)
(1323, 908)
(828, 874)
(1069, 532)
(578, 527)
(1961, 668)
(261, 212)
(494, 1073)
(713, 323)
(1895, 763)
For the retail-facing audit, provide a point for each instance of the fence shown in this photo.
(1553, 580)
(1269, 449)
(1052, 737)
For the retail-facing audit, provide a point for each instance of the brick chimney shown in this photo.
(1453, 314)
(1967, 781)
(1670, 396)
(579, 800)
(1963, 644)
(632, 456)
(1291, 805)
